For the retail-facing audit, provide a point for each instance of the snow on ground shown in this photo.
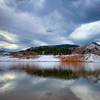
(46, 58)
(93, 58)
(51, 58)
(43, 58)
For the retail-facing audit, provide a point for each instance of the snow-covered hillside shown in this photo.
(92, 58)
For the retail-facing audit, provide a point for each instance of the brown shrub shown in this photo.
(73, 58)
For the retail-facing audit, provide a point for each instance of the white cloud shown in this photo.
(29, 20)
(39, 4)
(8, 45)
(31, 26)
(31, 23)
(2, 3)
(86, 32)
(10, 41)
(55, 22)
(62, 40)
(9, 36)
(39, 43)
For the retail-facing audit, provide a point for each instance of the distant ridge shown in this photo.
(53, 49)
(3, 50)
(63, 49)
(58, 46)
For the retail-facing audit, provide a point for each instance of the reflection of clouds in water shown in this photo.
(7, 87)
(8, 76)
(7, 81)
(36, 81)
(85, 90)
(12, 81)
(16, 81)
(53, 84)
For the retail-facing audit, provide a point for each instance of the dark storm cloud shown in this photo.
(33, 20)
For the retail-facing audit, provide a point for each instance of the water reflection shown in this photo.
(49, 81)
(6, 83)
(26, 87)
(65, 70)
(75, 66)
(18, 85)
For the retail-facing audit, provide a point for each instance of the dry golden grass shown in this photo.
(73, 65)
(73, 58)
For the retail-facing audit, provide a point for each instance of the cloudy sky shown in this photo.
(26, 23)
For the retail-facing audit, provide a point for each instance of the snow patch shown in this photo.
(92, 58)
(41, 58)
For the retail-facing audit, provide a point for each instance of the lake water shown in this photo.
(49, 80)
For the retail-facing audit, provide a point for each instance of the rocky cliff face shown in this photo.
(92, 48)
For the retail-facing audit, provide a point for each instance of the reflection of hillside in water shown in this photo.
(64, 70)
(50, 66)
(75, 66)
(63, 62)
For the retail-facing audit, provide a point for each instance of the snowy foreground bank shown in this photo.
(51, 58)
(40, 58)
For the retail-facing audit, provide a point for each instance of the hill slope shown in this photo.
(53, 49)
(92, 48)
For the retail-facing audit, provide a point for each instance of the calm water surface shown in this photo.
(49, 81)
